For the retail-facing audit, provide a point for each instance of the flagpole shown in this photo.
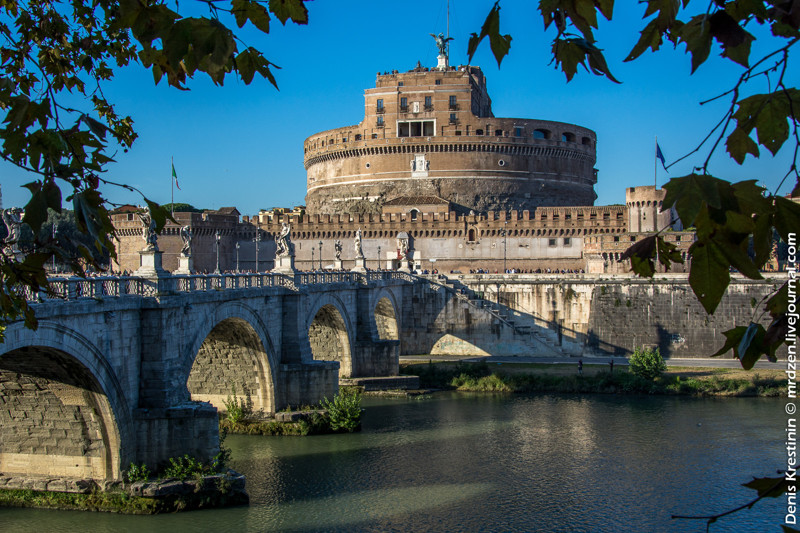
(172, 188)
(655, 166)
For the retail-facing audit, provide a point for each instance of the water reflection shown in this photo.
(458, 462)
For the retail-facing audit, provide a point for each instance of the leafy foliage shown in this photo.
(647, 363)
(236, 409)
(344, 412)
(136, 473)
(54, 53)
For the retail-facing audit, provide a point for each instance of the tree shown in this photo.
(55, 58)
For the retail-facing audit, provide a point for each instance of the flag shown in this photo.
(659, 155)
(175, 176)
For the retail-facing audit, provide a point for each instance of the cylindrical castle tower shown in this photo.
(431, 132)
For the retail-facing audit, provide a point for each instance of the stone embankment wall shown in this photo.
(581, 315)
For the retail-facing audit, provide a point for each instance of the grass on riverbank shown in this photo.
(533, 377)
(117, 502)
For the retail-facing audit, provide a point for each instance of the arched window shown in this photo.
(568, 137)
(541, 134)
(471, 235)
(414, 213)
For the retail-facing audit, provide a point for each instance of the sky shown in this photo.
(242, 145)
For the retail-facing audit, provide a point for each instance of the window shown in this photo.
(580, 217)
(438, 82)
(517, 131)
(566, 241)
(358, 136)
(551, 242)
(417, 128)
(458, 132)
(616, 238)
(471, 235)
(587, 141)
(414, 214)
(453, 119)
(453, 102)
(380, 122)
(567, 216)
(404, 104)
(677, 238)
(498, 133)
(479, 132)
(428, 103)
(400, 84)
(541, 134)
(633, 238)
(374, 135)
(568, 137)
(380, 105)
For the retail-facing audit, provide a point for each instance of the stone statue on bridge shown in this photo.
(186, 235)
(12, 218)
(284, 242)
(359, 252)
(337, 249)
(149, 230)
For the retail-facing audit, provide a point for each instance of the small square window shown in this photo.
(677, 238)
(566, 241)
(633, 238)
(400, 84)
(374, 135)
(438, 82)
(551, 242)
(616, 238)
(517, 132)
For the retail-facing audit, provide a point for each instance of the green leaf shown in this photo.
(733, 337)
(688, 194)
(771, 125)
(500, 44)
(641, 255)
(779, 302)
(697, 37)
(739, 144)
(709, 276)
(650, 37)
(289, 9)
(787, 217)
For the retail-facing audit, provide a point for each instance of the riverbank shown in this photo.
(535, 377)
(167, 495)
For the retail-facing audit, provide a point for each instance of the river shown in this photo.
(475, 462)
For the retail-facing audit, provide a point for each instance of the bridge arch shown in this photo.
(386, 316)
(231, 350)
(330, 333)
(65, 413)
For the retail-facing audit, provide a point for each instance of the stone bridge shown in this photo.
(127, 370)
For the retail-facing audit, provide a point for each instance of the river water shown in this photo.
(473, 462)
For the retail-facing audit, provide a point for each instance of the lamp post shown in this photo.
(217, 271)
(237, 257)
(257, 240)
(320, 255)
(379, 257)
(55, 233)
(312, 257)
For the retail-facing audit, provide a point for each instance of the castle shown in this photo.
(433, 181)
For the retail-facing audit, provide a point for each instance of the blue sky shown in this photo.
(243, 145)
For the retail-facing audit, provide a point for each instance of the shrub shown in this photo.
(185, 467)
(238, 409)
(647, 363)
(136, 473)
(344, 412)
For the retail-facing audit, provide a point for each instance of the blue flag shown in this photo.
(660, 156)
